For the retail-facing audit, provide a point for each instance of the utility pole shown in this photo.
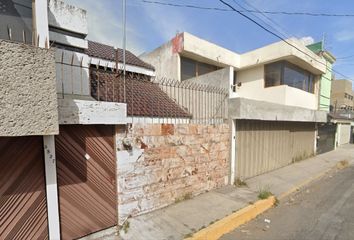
(124, 44)
(323, 41)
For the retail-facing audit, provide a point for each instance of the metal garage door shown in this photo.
(262, 146)
(326, 137)
(86, 170)
(23, 208)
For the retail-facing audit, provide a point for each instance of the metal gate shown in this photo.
(262, 146)
(23, 207)
(326, 135)
(86, 169)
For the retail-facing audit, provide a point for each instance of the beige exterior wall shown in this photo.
(245, 108)
(338, 91)
(165, 60)
(343, 133)
(220, 78)
(169, 163)
(282, 51)
(252, 87)
(28, 90)
(200, 49)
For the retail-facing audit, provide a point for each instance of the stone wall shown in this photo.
(168, 163)
(28, 97)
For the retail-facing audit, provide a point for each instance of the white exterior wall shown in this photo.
(344, 131)
(252, 87)
(67, 17)
(72, 72)
(73, 111)
(51, 187)
(68, 40)
(41, 24)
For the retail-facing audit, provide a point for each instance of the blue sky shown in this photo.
(150, 25)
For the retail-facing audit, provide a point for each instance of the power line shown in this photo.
(231, 8)
(346, 57)
(270, 20)
(250, 10)
(280, 32)
(278, 36)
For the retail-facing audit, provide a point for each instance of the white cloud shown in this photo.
(307, 40)
(167, 22)
(344, 35)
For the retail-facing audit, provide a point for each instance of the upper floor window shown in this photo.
(346, 95)
(191, 68)
(234, 83)
(285, 73)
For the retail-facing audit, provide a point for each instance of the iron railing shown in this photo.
(161, 99)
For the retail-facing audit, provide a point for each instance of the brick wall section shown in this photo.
(169, 163)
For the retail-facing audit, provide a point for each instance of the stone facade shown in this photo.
(160, 164)
(28, 96)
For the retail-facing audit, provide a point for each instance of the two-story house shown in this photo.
(273, 96)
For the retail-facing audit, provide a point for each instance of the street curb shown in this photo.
(304, 183)
(244, 215)
(229, 223)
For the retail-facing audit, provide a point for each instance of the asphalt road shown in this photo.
(322, 211)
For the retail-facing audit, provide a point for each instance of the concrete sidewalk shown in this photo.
(185, 218)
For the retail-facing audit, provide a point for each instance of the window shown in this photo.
(273, 74)
(191, 68)
(234, 83)
(188, 68)
(204, 68)
(285, 73)
(348, 96)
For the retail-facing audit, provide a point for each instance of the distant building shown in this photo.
(342, 97)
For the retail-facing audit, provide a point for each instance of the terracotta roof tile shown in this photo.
(107, 52)
(143, 98)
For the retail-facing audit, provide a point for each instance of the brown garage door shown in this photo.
(86, 176)
(23, 209)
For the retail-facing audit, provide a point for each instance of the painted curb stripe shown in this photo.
(229, 223)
